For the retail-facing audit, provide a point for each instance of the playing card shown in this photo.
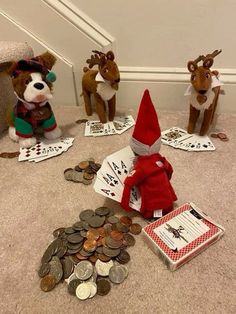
(37, 151)
(199, 143)
(94, 128)
(111, 128)
(54, 148)
(121, 162)
(121, 124)
(105, 190)
(135, 199)
(107, 176)
(172, 134)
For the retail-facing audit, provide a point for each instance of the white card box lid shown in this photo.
(181, 235)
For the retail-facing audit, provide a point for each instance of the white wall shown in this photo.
(152, 39)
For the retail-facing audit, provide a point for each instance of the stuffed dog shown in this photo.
(32, 83)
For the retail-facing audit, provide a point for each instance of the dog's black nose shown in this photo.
(117, 81)
(39, 85)
(202, 92)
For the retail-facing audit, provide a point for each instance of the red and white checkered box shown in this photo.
(182, 234)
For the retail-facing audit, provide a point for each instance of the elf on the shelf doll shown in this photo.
(151, 172)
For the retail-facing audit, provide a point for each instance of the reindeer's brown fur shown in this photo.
(110, 72)
(201, 78)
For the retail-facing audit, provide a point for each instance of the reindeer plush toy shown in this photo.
(32, 82)
(203, 91)
(102, 83)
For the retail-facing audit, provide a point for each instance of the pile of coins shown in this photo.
(222, 136)
(90, 254)
(84, 172)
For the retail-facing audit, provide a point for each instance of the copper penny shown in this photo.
(101, 232)
(135, 228)
(9, 155)
(88, 176)
(48, 283)
(99, 242)
(103, 286)
(103, 257)
(77, 168)
(116, 235)
(104, 242)
(126, 220)
(80, 257)
(93, 258)
(83, 164)
(128, 240)
(90, 245)
(214, 135)
(222, 136)
(93, 234)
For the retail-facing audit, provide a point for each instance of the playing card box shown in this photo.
(182, 234)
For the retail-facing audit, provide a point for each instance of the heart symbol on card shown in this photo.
(201, 99)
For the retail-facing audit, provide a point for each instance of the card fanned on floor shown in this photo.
(179, 138)
(181, 235)
(118, 126)
(45, 149)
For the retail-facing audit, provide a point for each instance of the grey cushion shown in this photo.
(9, 51)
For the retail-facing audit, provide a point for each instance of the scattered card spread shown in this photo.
(182, 234)
(118, 126)
(45, 149)
(179, 138)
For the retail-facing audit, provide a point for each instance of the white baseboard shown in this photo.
(167, 87)
(165, 74)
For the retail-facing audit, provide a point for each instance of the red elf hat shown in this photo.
(146, 138)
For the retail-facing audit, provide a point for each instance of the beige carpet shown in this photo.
(35, 199)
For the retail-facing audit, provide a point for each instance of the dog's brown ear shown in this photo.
(48, 59)
(110, 55)
(192, 66)
(7, 67)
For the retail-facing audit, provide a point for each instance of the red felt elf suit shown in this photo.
(151, 172)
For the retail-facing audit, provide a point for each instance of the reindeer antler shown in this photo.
(212, 55)
(100, 53)
(94, 60)
(200, 58)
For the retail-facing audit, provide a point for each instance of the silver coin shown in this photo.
(67, 266)
(72, 277)
(103, 268)
(44, 270)
(93, 288)
(94, 276)
(96, 221)
(110, 252)
(113, 220)
(83, 270)
(86, 214)
(118, 273)
(56, 268)
(102, 211)
(83, 291)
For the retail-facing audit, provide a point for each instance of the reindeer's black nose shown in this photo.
(117, 81)
(39, 85)
(202, 91)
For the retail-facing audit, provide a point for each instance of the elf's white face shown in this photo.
(37, 90)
